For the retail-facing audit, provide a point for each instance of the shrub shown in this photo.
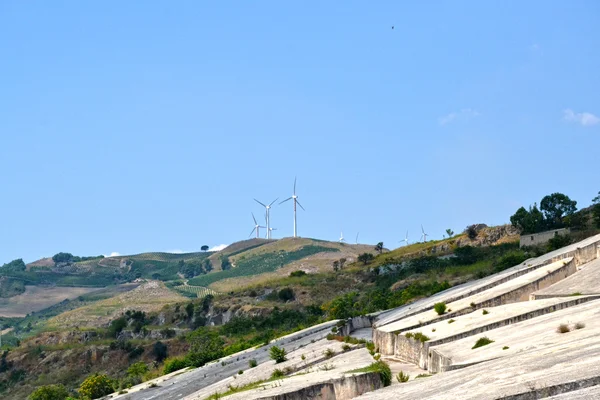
(422, 376)
(252, 363)
(402, 377)
(174, 364)
(303, 357)
(451, 321)
(277, 373)
(381, 368)
(579, 325)
(345, 347)
(440, 308)
(563, 328)
(377, 357)
(96, 385)
(137, 369)
(278, 354)
(286, 294)
(240, 372)
(328, 353)
(485, 312)
(297, 273)
(159, 350)
(505, 348)
(417, 336)
(472, 232)
(50, 392)
(473, 305)
(484, 341)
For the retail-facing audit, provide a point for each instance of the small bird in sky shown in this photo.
(392, 26)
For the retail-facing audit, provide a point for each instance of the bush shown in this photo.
(328, 353)
(346, 347)
(252, 363)
(485, 312)
(484, 341)
(137, 369)
(174, 364)
(159, 351)
(286, 294)
(50, 392)
(472, 232)
(505, 348)
(278, 354)
(240, 372)
(277, 373)
(579, 325)
(451, 321)
(96, 385)
(440, 308)
(297, 273)
(563, 328)
(402, 377)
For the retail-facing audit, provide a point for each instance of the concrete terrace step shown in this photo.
(585, 281)
(525, 337)
(468, 325)
(512, 291)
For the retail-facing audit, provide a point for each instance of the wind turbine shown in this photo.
(342, 240)
(256, 227)
(295, 198)
(356, 242)
(405, 240)
(424, 235)
(271, 231)
(267, 208)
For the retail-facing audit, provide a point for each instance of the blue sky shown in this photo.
(150, 126)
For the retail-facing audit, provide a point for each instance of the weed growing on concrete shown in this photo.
(240, 372)
(252, 363)
(278, 354)
(370, 346)
(505, 348)
(422, 376)
(327, 367)
(377, 357)
(576, 294)
(579, 325)
(485, 312)
(328, 353)
(402, 377)
(451, 321)
(563, 328)
(303, 357)
(380, 367)
(473, 305)
(483, 341)
(432, 329)
(417, 336)
(440, 308)
(346, 347)
(277, 373)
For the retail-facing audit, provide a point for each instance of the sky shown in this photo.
(136, 126)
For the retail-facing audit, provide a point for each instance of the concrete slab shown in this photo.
(541, 371)
(527, 336)
(591, 393)
(363, 333)
(585, 281)
(514, 290)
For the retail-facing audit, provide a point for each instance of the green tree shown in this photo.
(342, 307)
(531, 221)
(95, 386)
(449, 232)
(207, 265)
(204, 248)
(50, 392)
(116, 326)
(137, 369)
(205, 345)
(336, 265)
(596, 210)
(278, 354)
(342, 262)
(365, 258)
(15, 265)
(286, 294)
(160, 351)
(556, 206)
(62, 257)
(379, 247)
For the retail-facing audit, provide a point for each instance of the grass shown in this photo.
(440, 308)
(422, 376)
(198, 291)
(402, 377)
(417, 336)
(259, 264)
(328, 353)
(379, 367)
(485, 312)
(451, 321)
(483, 341)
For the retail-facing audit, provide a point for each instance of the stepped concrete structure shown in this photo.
(586, 281)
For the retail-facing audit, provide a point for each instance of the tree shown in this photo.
(116, 326)
(137, 369)
(286, 294)
(207, 265)
(531, 221)
(278, 354)
(472, 232)
(15, 265)
(204, 248)
(205, 345)
(62, 257)
(596, 210)
(379, 247)
(96, 386)
(449, 232)
(342, 262)
(336, 265)
(206, 302)
(50, 392)
(365, 258)
(160, 351)
(556, 206)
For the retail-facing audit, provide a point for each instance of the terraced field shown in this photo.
(198, 291)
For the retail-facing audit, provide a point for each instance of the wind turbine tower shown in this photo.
(405, 240)
(256, 227)
(295, 198)
(424, 235)
(342, 240)
(268, 217)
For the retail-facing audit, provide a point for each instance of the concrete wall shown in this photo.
(355, 323)
(345, 388)
(384, 342)
(411, 350)
(535, 239)
(522, 293)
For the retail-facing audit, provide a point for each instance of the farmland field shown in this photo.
(266, 262)
(37, 298)
(199, 291)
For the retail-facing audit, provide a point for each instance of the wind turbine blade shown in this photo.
(297, 202)
(254, 219)
(422, 230)
(295, 185)
(273, 202)
(259, 203)
(252, 232)
(289, 198)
